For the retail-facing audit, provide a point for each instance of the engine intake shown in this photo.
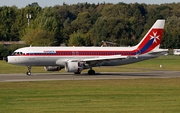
(74, 66)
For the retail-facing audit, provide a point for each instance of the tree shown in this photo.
(172, 35)
(49, 21)
(44, 38)
(8, 30)
(76, 39)
(124, 23)
(82, 22)
(39, 37)
(80, 39)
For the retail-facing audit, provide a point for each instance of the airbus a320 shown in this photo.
(76, 59)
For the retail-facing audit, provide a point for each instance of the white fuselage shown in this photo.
(57, 56)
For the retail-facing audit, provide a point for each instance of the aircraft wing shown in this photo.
(103, 58)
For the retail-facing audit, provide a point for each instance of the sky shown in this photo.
(44, 3)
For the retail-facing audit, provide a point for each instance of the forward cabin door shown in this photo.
(31, 54)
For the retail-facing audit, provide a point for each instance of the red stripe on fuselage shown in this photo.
(82, 53)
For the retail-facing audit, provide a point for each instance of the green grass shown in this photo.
(94, 96)
(99, 96)
(168, 63)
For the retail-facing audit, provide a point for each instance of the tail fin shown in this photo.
(153, 38)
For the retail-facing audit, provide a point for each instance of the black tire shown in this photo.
(28, 73)
(91, 72)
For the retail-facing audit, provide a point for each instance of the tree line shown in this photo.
(85, 24)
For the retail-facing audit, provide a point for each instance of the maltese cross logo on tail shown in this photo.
(155, 37)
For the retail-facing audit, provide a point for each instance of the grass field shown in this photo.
(168, 63)
(94, 96)
(99, 96)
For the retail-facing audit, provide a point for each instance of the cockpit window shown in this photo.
(17, 53)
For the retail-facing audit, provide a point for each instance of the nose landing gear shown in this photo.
(29, 71)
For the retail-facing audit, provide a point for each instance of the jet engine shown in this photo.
(52, 68)
(74, 66)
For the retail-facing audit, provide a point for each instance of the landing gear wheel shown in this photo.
(91, 72)
(28, 73)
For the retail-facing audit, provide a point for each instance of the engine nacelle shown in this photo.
(74, 66)
(52, 68)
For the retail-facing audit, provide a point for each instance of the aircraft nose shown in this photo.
(14, 60)
(10, 60)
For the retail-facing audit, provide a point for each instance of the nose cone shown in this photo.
(7, 59)
(11, 59)
(16, 60)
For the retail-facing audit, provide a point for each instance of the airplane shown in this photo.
(76, 59)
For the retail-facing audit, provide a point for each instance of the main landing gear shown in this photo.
(91, 71)
(29, 71)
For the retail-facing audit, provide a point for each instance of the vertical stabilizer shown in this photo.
(153, 37)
